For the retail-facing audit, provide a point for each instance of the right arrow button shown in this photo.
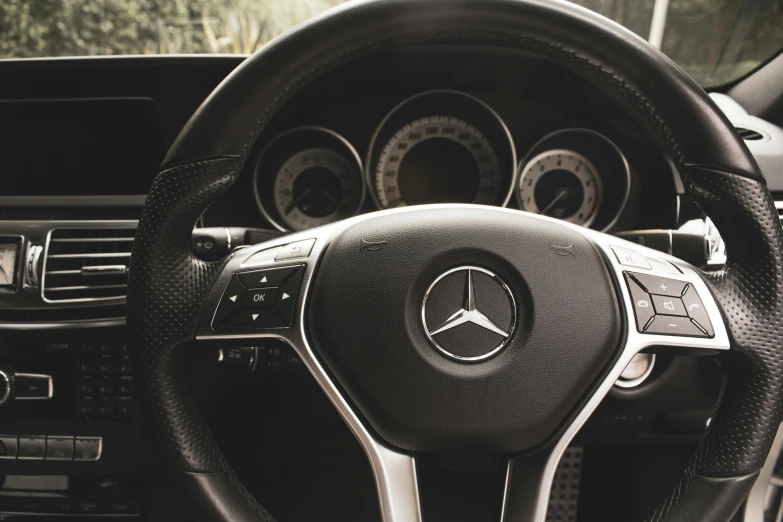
(286, 297)
(696, 311)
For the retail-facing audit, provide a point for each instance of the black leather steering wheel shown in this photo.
(364, 294)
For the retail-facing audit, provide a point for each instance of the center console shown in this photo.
(70, 436)
(70, 433)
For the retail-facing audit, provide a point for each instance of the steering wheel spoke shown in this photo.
(261, 270)
(667, 303)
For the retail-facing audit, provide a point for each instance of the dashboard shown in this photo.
(440, 146)
(426, 126)
(83, 139)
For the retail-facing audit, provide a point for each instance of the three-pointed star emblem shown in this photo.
(469, 313)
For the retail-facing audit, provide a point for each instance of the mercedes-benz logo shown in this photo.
(478, 329)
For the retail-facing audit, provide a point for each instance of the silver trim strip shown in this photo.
(65, 325)
(395, 472)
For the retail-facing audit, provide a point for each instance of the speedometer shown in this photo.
(441, 147)
(563, 184)
(438, 159)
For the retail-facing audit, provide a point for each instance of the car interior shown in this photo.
(410, 261)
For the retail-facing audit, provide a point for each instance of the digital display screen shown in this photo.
(79, 147)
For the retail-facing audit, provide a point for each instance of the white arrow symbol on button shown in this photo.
(263, 279)
(285, 296)
(233, 299)
(255, 316)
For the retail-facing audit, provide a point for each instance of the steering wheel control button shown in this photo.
(642, 304)
(296, 250)
(253, 318)
(672, 325)
(632, 258)
(261, 298)
(267, 278)
(8, 446)
(468, 313)
(87, 448)
(660, 285)
(696, 311)
(665, 305)
(32, 448)
(287, 297)
(231, 301)
(59, 448)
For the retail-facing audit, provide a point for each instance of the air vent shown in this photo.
(749, 134)
(86, 264)
(779, 207)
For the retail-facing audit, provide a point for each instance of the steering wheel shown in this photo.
(460, 327)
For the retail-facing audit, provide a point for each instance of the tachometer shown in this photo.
(306, 177)
(317, 186)
(563, 184)
(441, 147)
(438, 159)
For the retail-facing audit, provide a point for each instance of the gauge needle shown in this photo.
(5, 274)
(560, 195)
(293, 205)
(330, 198)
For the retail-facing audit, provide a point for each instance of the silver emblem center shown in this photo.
(469, 313)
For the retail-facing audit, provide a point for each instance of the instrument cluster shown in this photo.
(440, 147)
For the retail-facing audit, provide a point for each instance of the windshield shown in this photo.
(715, 41)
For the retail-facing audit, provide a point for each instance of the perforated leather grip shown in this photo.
(167, 285)
(749, 291)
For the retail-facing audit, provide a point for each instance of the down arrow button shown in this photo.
(287, 297)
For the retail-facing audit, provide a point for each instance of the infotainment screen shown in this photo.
(79, 147)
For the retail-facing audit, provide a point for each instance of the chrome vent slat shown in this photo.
(90, 255)
(88, 264)
(93, 240)
(86, 287)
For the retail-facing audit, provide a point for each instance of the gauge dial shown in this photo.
(438, 159)
(7, 263)
(317, 186)
(562, 184)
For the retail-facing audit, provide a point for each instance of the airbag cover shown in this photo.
(365, 320)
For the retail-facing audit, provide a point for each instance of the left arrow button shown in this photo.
(231, 300)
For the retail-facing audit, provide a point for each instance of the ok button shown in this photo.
(260, 298)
